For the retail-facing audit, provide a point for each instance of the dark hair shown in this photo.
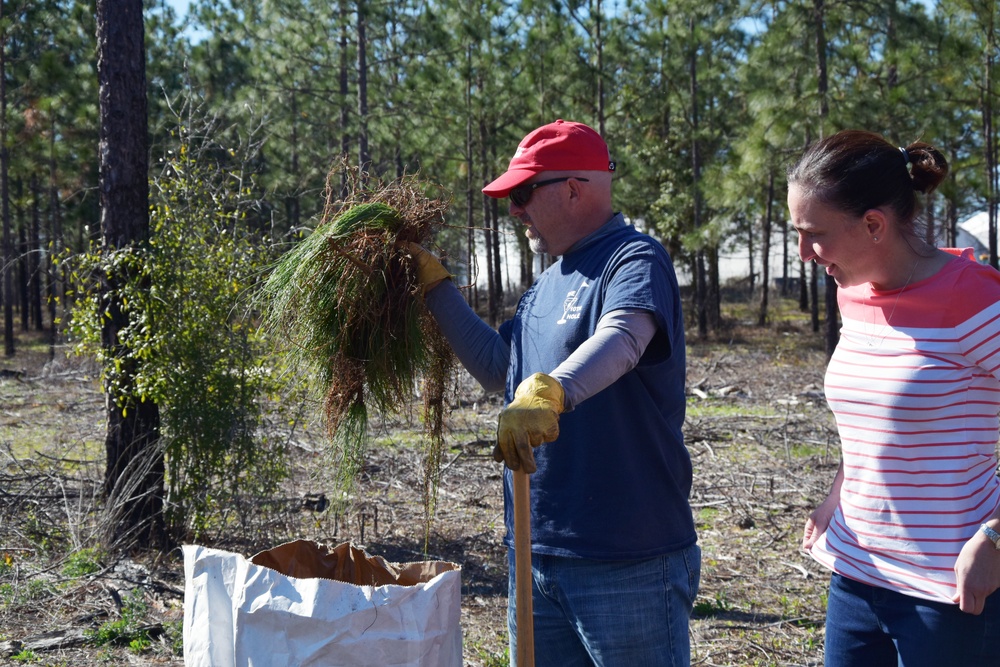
(856, 170)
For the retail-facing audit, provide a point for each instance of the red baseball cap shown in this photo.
(558, 146)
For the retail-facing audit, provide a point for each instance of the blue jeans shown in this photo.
(867, 626)
(609, 613)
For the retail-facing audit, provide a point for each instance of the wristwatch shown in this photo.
(993, 535)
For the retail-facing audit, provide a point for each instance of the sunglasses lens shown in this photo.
(520, 195)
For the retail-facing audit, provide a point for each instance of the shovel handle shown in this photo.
(522, 569)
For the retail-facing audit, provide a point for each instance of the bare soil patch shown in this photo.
(758, 430)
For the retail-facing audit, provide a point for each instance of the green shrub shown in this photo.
(26, 656)
(192, 345)
(81, 563)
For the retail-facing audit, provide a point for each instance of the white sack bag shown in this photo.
(241, 613)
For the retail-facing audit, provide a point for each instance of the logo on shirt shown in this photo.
(571, 311)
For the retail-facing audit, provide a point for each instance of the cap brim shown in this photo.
(507, 181)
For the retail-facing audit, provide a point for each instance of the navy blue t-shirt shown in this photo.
(615, 484)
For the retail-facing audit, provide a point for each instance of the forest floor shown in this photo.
(760, 435)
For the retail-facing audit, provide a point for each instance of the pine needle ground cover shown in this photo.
(346, 304)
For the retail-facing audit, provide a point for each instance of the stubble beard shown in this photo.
(537, 243)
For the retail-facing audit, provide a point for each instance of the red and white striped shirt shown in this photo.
(916, 399)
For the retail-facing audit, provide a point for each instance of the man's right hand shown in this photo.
(430, 271)
(531, 419)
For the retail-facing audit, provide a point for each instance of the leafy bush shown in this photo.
(81, 563)
(192, 337)
(26, 656)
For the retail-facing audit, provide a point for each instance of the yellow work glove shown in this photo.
(430, 271)
(531, 419)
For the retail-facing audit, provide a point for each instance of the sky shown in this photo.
(181, 8)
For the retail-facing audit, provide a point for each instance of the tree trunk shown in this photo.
(292, 204)
(6, 271)
(23, 272)
(951, 222)
(133, 480)
(701, 286)
(471, 195)
(803, 289)
(814, 295)
(56, 243)
(599, 48)
(497, 281)
(832, 321)
(489, 223)
(785, 264)
(714, 289)
(345, 136)
(397, 57)
(34, 254)
(832, 324)
(765, 252)
(363, 155)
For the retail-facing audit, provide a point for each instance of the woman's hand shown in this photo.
(819, 521)
(977, 573)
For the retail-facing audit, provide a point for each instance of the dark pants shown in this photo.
(867, 626)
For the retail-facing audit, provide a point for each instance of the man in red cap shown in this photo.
(592, 365)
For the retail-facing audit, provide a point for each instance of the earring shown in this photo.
(875, 239)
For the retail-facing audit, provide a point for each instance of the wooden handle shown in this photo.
(522, 569)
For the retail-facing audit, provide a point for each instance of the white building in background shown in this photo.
(974, 233)
(736, 264)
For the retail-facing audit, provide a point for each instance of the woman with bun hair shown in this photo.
(911, 527)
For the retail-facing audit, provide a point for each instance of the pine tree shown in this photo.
(133, 481)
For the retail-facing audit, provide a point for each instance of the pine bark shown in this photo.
(133, 481)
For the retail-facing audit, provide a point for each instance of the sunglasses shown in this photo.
(522, 193)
